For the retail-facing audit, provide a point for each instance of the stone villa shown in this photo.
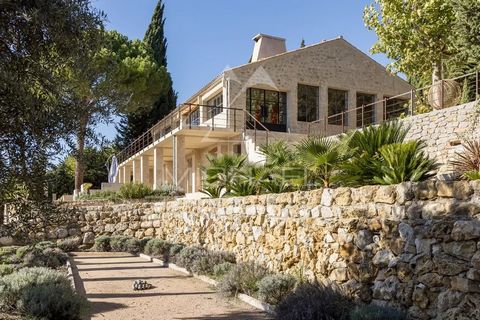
(276, 95)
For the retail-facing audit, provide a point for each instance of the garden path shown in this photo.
(106, 279)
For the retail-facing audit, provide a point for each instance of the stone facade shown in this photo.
(444, 130)
(416, 246)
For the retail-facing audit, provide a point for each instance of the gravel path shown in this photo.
(106, 279)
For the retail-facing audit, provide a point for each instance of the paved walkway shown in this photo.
(106, 279)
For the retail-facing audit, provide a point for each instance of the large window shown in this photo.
(366, 117)
(395, 108)
(337, 103)
(268, 107)
(307, 103)
(215, 106)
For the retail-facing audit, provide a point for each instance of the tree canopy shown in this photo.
(136, 123)
(416, 34)
(38, 42)
(116, 76)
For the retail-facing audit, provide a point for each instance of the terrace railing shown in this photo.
(444, 93)
(188, 116)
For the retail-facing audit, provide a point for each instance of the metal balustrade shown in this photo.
(444, 93)
(192, 117)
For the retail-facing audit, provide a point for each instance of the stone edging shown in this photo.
(70, 273)
(245, 298)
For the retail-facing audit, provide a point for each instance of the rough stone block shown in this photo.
(460, 190)
(386, 194)
(465, 285)
(426, 190)
(466, 230)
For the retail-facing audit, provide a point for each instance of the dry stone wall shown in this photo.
(444, 130)
(411, 245)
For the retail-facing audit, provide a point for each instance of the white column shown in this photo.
(196, 174)
(144, 172)
(136, 170)
(158, 168)
(179, 161)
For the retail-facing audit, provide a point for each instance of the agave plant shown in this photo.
(321, 157)
(467, 164)
(399, 162)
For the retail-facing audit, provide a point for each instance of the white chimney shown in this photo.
(267, 46)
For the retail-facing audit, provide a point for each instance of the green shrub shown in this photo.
(53, 301)
(102, 244)
(222, 269)
(168, 190)
(6, 269)
(22, 251)
(69, 245)
(143, 243)
(42, 245)
(133, 245)
(242, 278)
(157, 248)
(314, 301)
(205, 263)
(273, 289)
(134, 191)
(13, 286)
(407, 161)
(189, 255)
(101, 195)
(375, 312)
(117, 243)
(50, 258)
(176, 249)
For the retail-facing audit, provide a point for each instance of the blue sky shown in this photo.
(207, 36)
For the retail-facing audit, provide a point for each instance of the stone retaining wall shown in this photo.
(443, 130)
(415, 246)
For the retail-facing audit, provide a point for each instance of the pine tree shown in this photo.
(133, 125)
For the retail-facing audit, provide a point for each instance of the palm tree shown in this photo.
(321, 158)
(222, 170)
(277, 154)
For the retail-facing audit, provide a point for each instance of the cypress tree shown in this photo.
(135, 124)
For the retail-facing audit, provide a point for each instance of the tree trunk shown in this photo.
(79, 154)
(437, 73)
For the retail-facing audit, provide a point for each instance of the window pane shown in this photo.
(267, 106)
(368, 116)
(337, 103)
(307, 103)
(271, 95)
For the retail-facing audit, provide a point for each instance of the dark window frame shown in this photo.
(334, 116)
(215, 106)
(304, 103)
(261, 111)
(368, 111)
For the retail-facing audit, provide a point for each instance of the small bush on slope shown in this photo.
(243, 278)
(312, 301)
(273, 289)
